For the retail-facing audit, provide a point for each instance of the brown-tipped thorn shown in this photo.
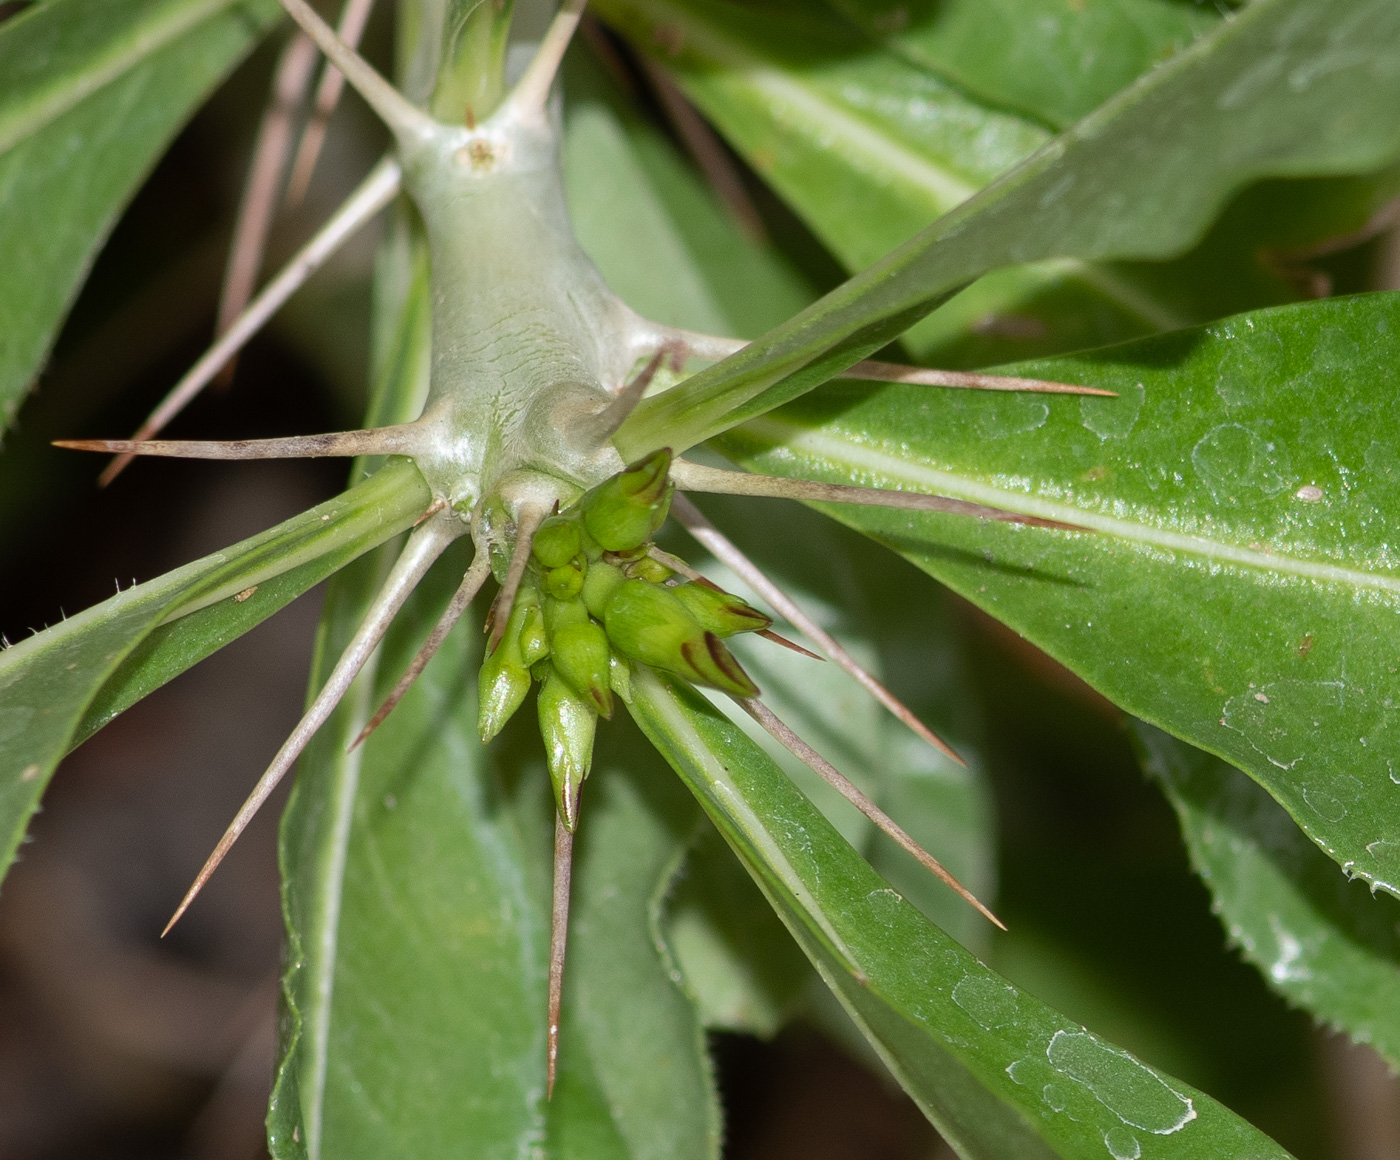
(404, 439)
(884, 372)
(679, 566)
(843, 785)
(769, 634)
(712, 348)
(256, 210)
(598, 429)
(727, 552)
(423, 547)
(695, 477)
(353, 18)
(465, 594)
(439, 504)
(558, 944)
(374, 193)
(526, 526)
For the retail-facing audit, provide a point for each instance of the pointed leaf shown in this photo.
(1323, 942)
(1284, 88)
(90, 95)
(1236, 585)
(997, 1072)
(61, 684)
(1053, 61)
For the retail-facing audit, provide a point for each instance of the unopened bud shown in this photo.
(557, 541)
(534, 640)
(566, 581)
(649, 624)
(648, 569)
(621, 513)
(601, 581)
(581, 656)
(722, 613)
(505, 676)
(567, 725)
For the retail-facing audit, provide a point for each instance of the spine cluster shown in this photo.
(595, 597)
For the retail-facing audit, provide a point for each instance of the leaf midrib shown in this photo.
(836, 123)
(46, 103)
(885, 466)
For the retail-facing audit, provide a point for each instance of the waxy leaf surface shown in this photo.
(1050, 60)
(63, 683)
(1000, 1074)
(1285, 88)
(1236, 583)
(1323, 942)
(90, 96)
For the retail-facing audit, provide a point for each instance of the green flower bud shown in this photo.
(566, 581)
(558, 613)
(557, 541)
(567, 724)
(719, 612)
(534, 640)
(599, 584)
(622, 512)
(581, 656)
(505, 676)
(648, 569)
(649, 624)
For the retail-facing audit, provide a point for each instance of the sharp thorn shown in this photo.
(599, 428)
(558, 944)
(695, 477)
(679, 566)
(403, 118)
(526, 525)
(884, 372)
(843, 785)
(423, 547)
(713, 347)
(373, 194)
(531, 93)
(727, 552)
(400, 440)
(260, 191)
(769, 634)
(461, 599)
(353, 17)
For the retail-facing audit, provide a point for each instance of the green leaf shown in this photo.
(1321, 941)
(656, 230)
(1235, 585)
(417, 898)
(636, 1038)
(89, 98)
(64, 682)
(1284, 88)
(413, 935)
(997, 1072)
(1051, 60)
(726, 941)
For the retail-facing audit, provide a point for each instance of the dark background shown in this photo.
(116, 1044)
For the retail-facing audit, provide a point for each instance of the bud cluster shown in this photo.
(593, 599)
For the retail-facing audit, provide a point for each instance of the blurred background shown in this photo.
(114, 1043)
